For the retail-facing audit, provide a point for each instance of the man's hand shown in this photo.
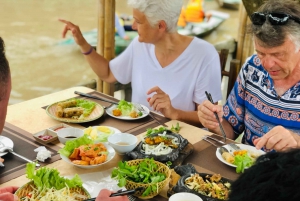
(278, 138)
(161, 102)
(77, 35)
(206, 114)
(7, 193)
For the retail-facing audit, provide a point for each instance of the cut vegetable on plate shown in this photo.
(100, 133)
(241, 159)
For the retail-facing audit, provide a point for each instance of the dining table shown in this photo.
(27, 118)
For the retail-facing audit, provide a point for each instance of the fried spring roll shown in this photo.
(66, 104)
(73, 111)
(228, 157)
(59, 111)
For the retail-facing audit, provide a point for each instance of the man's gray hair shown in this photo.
(275, 35)
(4, 70)
(156, 10)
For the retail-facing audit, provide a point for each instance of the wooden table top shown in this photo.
(31, 117)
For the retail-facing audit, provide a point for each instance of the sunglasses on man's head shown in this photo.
(274, 18)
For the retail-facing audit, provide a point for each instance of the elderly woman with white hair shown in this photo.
(168, 72)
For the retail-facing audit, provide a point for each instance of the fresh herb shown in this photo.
(176, 128)
(151, 131)
(140, 114)
(169, 163)
(145, 172)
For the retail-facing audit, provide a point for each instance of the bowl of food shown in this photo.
(66, 134)
(134, 174)
(53, 187)
(212, 187)
(162, 146)
(122, 142)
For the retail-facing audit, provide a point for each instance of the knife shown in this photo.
(208, 95)
(95, 97)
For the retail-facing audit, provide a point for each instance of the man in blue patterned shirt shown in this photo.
(265, 101)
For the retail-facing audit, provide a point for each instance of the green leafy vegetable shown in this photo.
(88, 106)
(176, 128)
(125, 107)
(242, 161)
(46, 178)
(145, 172)
(72, 144)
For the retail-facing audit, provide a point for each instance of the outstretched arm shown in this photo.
(97, 62)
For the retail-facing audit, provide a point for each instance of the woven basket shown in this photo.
(27, 188)
(130, 185)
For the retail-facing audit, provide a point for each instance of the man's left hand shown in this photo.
(161, 102)
(278, 138)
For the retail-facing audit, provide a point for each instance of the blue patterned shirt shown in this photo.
(254, 107)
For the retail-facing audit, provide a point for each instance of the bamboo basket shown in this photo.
(130, 185)
(28, 188)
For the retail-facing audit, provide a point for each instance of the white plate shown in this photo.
(113, 131)
(5, 141)
(249, 148)
(111, 154)
(109, 112)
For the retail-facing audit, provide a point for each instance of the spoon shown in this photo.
(10, 150)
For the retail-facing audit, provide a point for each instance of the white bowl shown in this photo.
(184, 196)
(66, 134)
(122, 142)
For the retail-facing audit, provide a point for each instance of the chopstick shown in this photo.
(95, 97)
(208, 95)
(120, 193)
(214, 139)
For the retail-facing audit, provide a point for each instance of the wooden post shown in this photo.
(106, 38)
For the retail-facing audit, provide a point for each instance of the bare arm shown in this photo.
(97, 62)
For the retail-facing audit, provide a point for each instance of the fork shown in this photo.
(142, 110)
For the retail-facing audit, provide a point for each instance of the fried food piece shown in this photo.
(240, 152)
(65, 104)
(59, 111)
(73, 111)
(216, 178)
(134, 114)
(98, 160)
(92, 150)
(75, 154)
(80, 162)
(117, 112)
(228, 157)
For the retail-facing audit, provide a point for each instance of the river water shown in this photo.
(39, 63)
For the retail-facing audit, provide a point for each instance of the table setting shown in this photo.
(105, 129)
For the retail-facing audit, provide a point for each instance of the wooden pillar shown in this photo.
(106, 38)
(245, 43)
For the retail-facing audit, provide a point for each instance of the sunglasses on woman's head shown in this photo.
(274, 18)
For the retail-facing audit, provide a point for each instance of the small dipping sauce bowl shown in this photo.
(185, 197)
(122, 142)
(66, 134)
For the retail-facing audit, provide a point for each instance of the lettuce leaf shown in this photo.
(72, 144)
(45, 177)
(88, 106)
(125, 107)
(242, 161)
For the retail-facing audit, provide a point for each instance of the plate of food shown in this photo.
(128, 111)
(210, 187)
(241, 159)
(53, 187)
(100, 133)
(163, 146)
(84, 153)
(75, 111)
